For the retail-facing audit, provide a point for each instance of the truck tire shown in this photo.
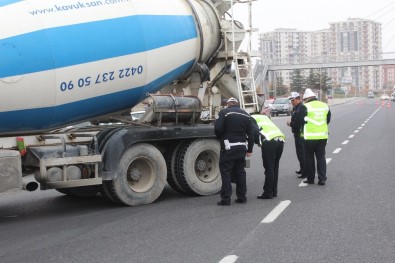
(104, 191)
(170, 157)
(141, 176)
(197, 167)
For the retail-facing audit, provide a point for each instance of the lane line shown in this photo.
(303, 184)
(229, 259)
(328, 160)
(337, 150)
(276, 212)
(356, 131)
(360, 127)
(345, 142)
(351, 136)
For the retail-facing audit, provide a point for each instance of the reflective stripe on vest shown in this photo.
(268, 128)
(316, 126)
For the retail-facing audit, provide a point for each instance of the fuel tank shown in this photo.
(66, 61)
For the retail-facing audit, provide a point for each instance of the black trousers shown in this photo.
(299, 146)
(233, 162)
(271, 155)
(315, 149)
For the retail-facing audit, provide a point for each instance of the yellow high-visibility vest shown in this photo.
(268, 128)
(316, 127)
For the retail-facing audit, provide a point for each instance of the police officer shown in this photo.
(234, 130)
(296, 123)
(315, 132)
(272, 148)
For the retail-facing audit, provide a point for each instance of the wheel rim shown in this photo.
(141, 175)
(206, 166)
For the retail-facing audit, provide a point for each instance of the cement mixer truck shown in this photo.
(64, 62)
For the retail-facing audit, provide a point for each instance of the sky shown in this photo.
(310, 15)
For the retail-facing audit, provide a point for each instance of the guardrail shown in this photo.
(332, 59)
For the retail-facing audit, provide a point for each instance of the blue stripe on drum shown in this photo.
(24, 121)
(82, 43)
(8, 2)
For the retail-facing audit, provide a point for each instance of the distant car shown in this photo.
(370, 95)
(385, 97)
(136, 115)
(393, 96)
(281, 106)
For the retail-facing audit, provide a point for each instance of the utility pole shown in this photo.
(320, 85)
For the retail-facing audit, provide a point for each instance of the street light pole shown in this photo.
(320, 84)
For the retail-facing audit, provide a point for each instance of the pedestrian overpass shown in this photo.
(322, 62)
(332, 62)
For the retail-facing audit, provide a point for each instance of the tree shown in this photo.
(280, 88)
(298, 81)
(318, 80)
(324, 83)
(311, 80)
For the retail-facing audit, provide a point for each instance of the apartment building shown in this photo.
(389, 77)
(343, 41)
(357, 39)
(286, 46)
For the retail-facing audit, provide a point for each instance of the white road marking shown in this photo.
(363, 124)
(351, 136)
(276, 212)
(229, 259)
(328, 160)
(345, 142)
(356, 131)
(303, 184)
(337, 150)
(360, 127)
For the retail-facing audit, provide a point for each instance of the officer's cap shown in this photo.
(308, 94)
(294, 95)
(232, 100)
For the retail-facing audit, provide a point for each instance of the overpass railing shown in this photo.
(330, 59)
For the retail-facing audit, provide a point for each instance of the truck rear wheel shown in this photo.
(141, 176)
(171, 155)
(197, 167)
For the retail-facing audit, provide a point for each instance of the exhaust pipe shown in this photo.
(30, 186)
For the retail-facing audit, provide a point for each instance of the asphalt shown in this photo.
(337, 101)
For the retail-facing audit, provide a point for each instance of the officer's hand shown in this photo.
(248, 154)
